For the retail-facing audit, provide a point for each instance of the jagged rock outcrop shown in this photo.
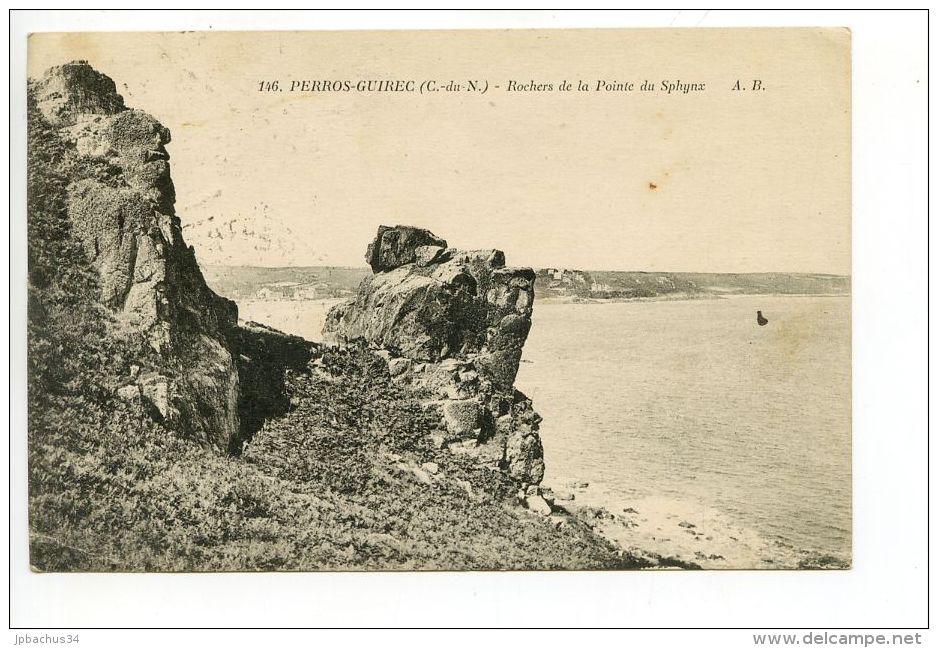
(452, 323)
(121, 208)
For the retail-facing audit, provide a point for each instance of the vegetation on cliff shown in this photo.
(345, 478)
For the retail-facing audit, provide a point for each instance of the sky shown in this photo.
(709, 181)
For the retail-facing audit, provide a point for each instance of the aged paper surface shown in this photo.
(540, 299)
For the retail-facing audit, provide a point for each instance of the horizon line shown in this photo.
(676, 272)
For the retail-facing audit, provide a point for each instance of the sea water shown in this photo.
(694, 401)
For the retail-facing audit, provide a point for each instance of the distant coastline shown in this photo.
(553, 285)
(674, 297)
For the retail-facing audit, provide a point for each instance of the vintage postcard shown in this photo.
(440, 300)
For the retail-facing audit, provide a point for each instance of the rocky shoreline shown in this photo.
(666, 532)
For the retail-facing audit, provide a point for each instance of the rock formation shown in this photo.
(121, 208)
(453, 324)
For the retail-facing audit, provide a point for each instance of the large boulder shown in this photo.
(441, 304)
(396, 246)
(462, 418)
(454, 323)
(524, 453)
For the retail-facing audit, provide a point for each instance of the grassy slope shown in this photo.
(332, 485)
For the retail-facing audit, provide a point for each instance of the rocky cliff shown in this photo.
(453, 324)
(134, 364)
(120, 205)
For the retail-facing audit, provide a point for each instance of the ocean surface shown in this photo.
(691, 402)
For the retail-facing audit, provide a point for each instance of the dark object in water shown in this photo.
(761, 320)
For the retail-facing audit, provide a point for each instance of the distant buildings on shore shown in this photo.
(291, 290)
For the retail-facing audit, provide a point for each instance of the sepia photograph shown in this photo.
(379, 323)
(377, 301)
